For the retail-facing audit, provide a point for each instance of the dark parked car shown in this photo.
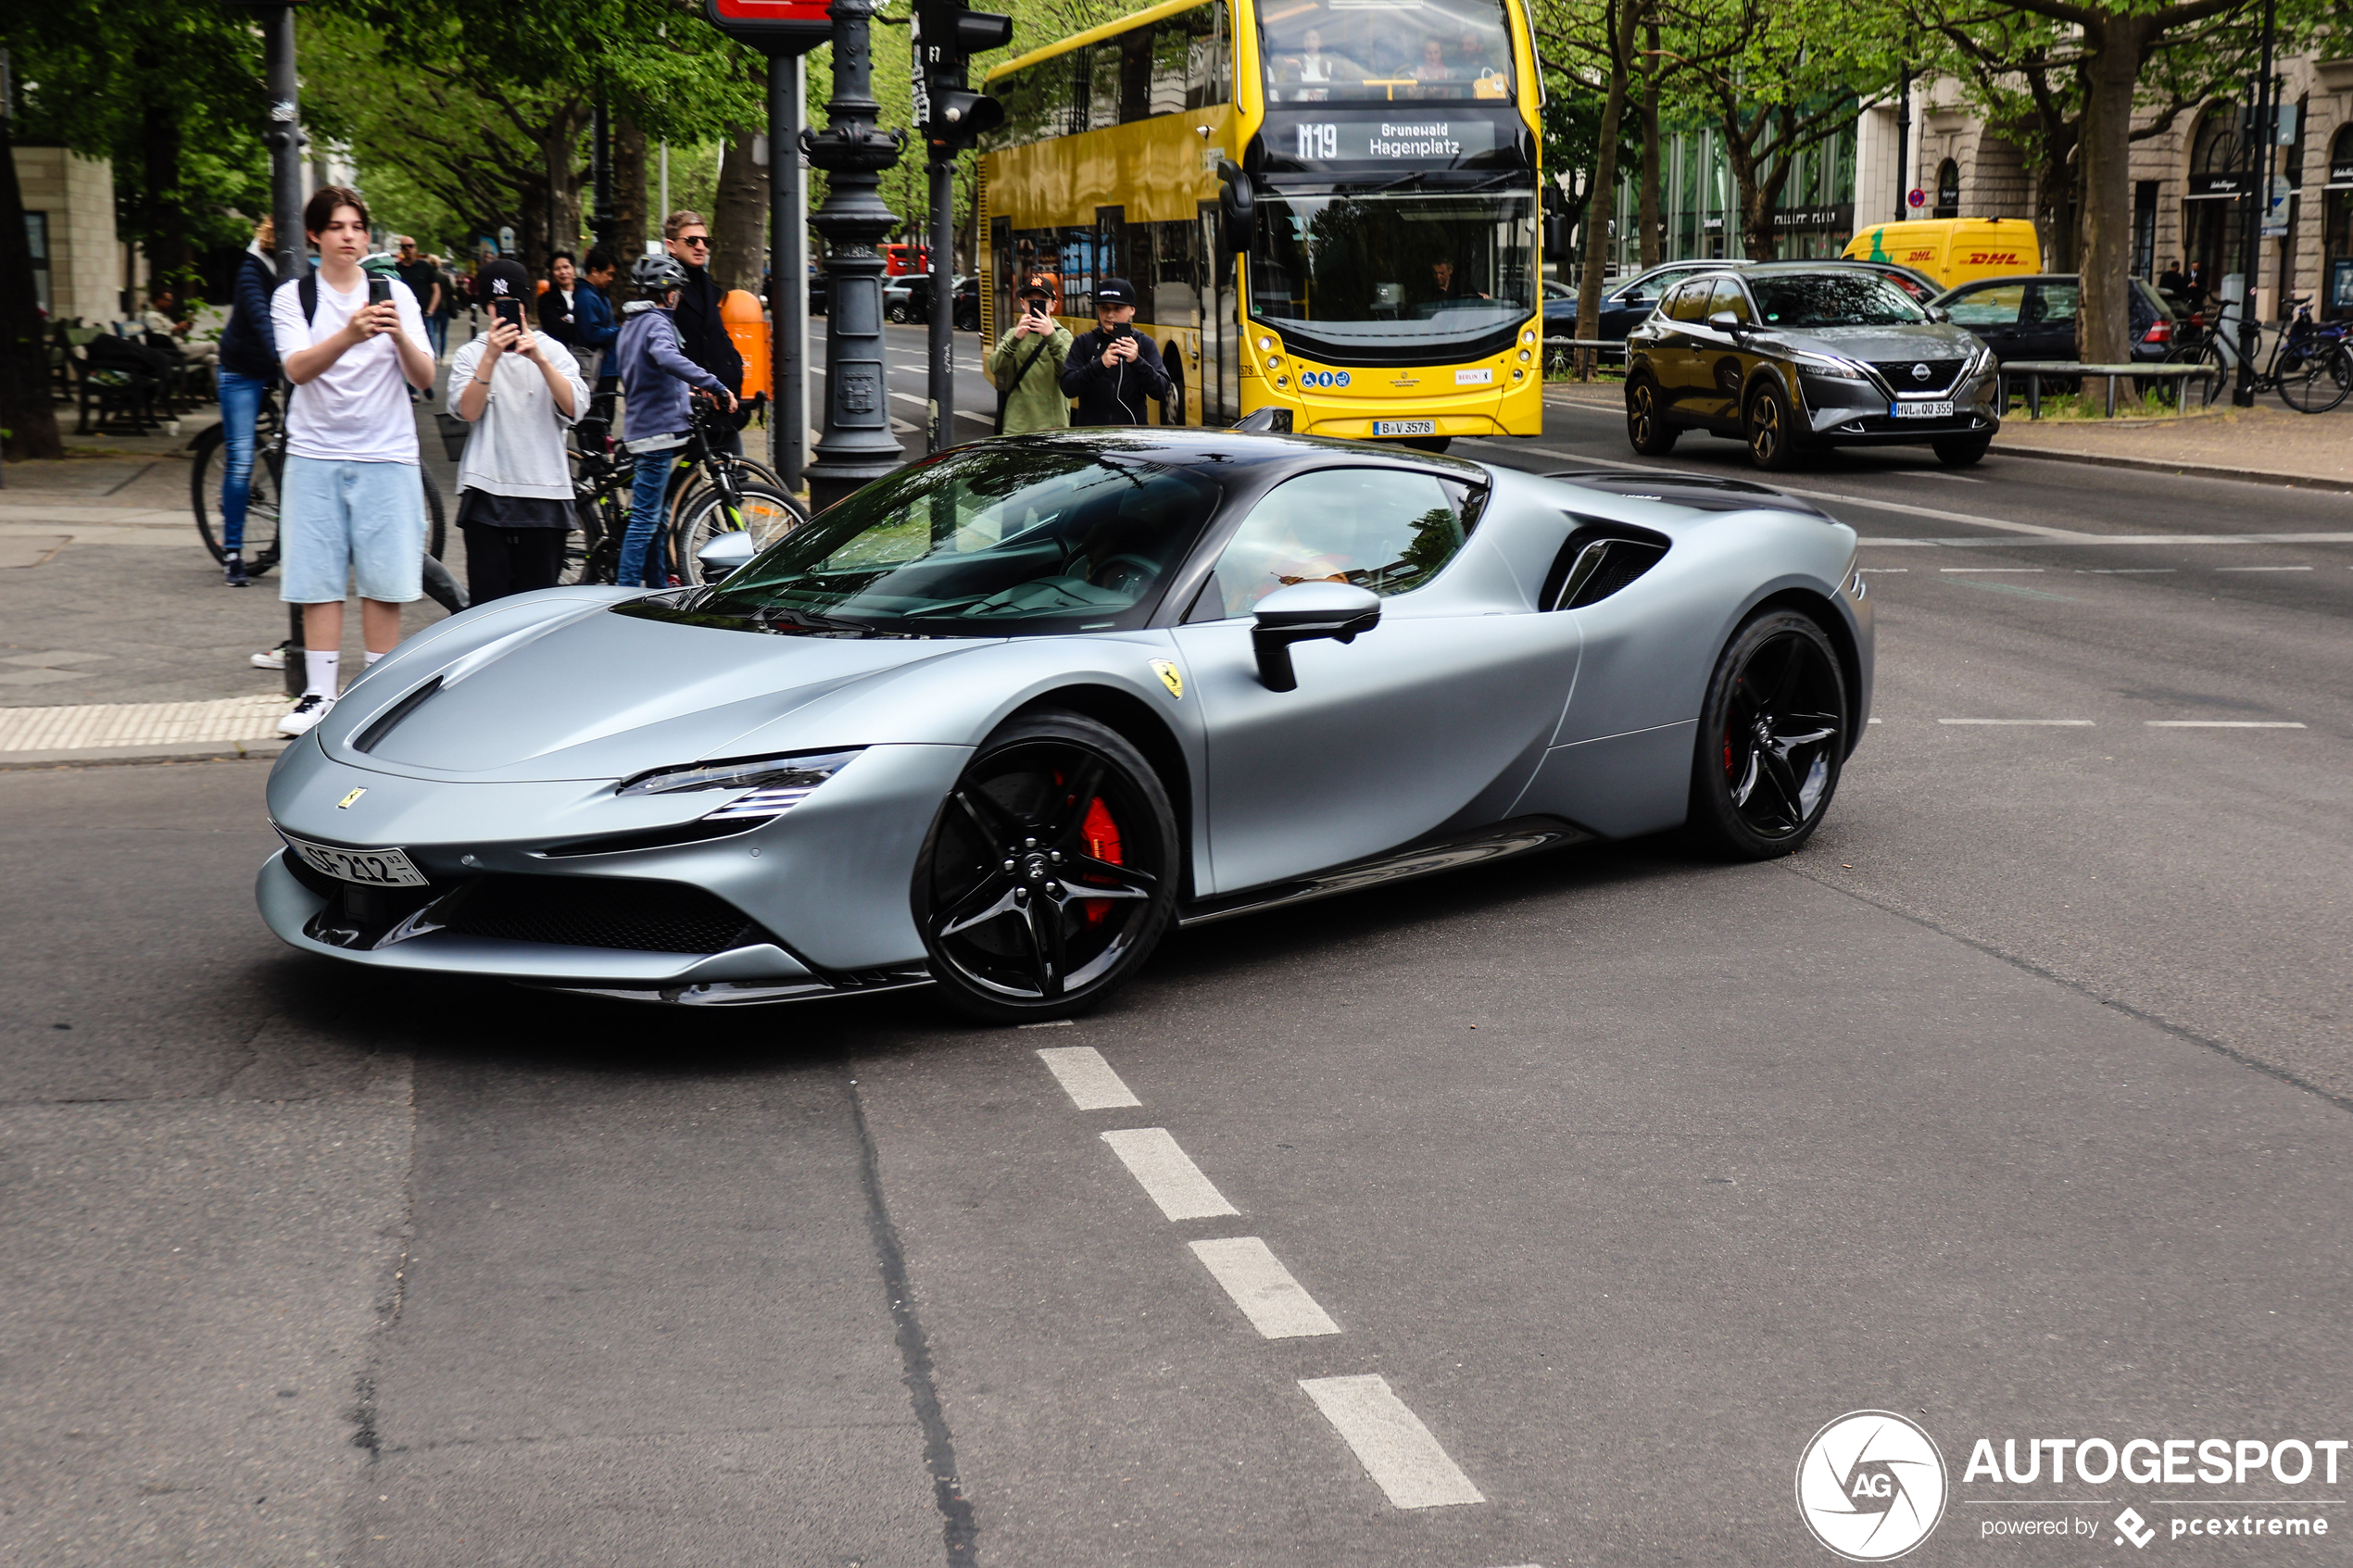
(2034, 318)
(1624, 303)
(1792, 355)
(909, 299)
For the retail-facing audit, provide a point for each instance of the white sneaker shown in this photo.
(274, 660)
(307, 714)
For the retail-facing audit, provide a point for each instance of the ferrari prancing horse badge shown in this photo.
(1169, 678)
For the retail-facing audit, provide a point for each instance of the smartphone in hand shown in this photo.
(508, 311)
(379, 289)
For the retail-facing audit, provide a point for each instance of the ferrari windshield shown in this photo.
(998, 540)
(1832, 299)
(1394, 269)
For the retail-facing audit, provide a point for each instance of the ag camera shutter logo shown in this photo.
(1870, 1485)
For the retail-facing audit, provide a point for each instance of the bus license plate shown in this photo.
(371, 868)
(1404, 427)
(1922, 410)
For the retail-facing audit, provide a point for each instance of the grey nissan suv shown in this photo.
(1789, 356)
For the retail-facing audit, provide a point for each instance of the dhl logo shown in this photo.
(1928, 254)
(1992, 258)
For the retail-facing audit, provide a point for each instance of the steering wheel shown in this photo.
(1126, 573)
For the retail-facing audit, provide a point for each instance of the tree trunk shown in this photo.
(561, 150)
(1602, 205)
(740, 227)
(163, 232)
(1648, 189)
(2103, 159)
(628, 192)
(25, 412)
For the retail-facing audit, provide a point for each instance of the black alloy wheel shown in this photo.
(1772, 440)
(1050, 872)
(1960, 451)
(1772, 737)
(1646, 428)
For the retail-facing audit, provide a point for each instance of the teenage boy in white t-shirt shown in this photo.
(352, 502)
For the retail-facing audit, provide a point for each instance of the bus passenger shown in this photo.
(1113, 371)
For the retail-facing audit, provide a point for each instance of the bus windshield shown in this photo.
(1394, 269)
(1385, 51)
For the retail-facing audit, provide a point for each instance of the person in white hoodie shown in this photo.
(521, 390)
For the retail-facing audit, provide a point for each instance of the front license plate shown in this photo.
(1922, 410)
(1404, 427)
(371, 868)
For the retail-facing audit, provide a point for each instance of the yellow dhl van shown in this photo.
(1952, 250)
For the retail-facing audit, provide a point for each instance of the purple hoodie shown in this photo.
(655, 372)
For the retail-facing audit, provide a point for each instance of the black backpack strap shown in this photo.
(307, 293)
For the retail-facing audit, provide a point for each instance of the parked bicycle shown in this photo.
(711, 492)
(210, 468)
(2310, 364)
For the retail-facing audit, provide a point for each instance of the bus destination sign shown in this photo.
(1391, 138)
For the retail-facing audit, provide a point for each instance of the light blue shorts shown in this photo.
(341, 521)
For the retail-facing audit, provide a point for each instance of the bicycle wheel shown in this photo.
(768, 515)
(2205, 354)
(2318, 380)
(206, 474)
(697, 488)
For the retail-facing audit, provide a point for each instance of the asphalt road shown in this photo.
(2016, 1104)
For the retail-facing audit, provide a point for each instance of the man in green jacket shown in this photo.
(1025, 366)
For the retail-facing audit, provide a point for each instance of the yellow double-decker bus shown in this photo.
(1327, 207)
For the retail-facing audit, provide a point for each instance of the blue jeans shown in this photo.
(437, 335)
(240, 407)
(646, 496)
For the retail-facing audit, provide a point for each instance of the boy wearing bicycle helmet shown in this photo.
(655, 378)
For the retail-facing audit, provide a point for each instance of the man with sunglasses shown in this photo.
(702, 334)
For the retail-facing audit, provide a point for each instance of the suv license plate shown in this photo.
(1922, 410)
(369, 868)
(1404, 427)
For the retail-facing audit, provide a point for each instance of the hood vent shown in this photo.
(389, 720)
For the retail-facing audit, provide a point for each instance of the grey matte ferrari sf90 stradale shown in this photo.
(993, 723)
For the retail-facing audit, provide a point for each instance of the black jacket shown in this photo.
(1114, 397)
(703, 334)
(248, 344)
(557, 322)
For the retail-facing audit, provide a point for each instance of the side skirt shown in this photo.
(1521, 835)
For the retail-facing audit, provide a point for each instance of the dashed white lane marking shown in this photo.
(1168, 1174)
(1086, 1078)
(1274, 1303)
(1049, 1023)
(2221, 724)
(2125, 571)
(2262, 568)
(1882, 571)
(2072, 724)
(1984, 568)
(1390, 1442)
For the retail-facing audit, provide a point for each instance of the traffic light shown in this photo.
(946, 36)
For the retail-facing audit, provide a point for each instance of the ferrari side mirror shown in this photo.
(725, 555)
(1305, 612)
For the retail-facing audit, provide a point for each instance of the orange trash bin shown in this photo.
(747, 329)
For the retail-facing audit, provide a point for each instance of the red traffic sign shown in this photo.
(779, 26)
(1917, 198)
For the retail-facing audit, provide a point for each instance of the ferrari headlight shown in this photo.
(777, 785)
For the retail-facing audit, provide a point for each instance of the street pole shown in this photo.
(286, 142)
(2251, 232)
(942, 432)
(1903, 145)
(788, 278)
(856, 448)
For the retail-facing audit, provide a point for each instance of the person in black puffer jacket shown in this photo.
(248, 369)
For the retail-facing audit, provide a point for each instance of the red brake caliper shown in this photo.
(1103, 842)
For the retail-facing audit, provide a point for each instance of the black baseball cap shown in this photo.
(1034, 290)
(1114, 291)
(505, 280)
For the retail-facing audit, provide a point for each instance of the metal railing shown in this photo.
(2035, 370)
(1560, 352)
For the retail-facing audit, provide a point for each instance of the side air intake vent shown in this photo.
(1598, 560)
(370, 738)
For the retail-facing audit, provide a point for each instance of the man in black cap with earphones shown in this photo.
(1113, 371)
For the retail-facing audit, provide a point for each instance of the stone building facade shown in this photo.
(69, 203)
